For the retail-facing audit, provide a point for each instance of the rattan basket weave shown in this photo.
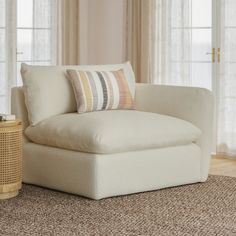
(10, 158)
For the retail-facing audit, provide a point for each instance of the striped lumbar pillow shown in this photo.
(101, 90)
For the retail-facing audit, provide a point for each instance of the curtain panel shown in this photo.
(157, 42)
(172, 40)
(27, 35)
(68, 32)
(226, 82)
(139, 20)
(163, 49)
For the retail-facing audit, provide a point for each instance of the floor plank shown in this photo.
(223, 166)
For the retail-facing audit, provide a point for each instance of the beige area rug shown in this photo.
(198, 209)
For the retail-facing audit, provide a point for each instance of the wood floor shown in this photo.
(223, 166)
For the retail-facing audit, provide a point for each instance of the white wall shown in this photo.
(102, 28)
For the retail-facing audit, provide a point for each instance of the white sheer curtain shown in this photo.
(44, 39)
(158, 40)
(226, 96)
(172, 42)
(28, 34)
(178, 43)
(36, 33)
(3, 82)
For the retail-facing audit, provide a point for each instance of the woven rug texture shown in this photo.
(199, 209)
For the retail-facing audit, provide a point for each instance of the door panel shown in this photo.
(25, 13)
(3, 83)
(201, 44)
(200, 72)
(229, 8)
(2, 13)
(190, 43)
(229, 44)
(201, 31)
(226, 79)
(24, 45)
(201, 13)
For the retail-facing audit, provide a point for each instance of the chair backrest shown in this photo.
(18, 106)
(48, 91)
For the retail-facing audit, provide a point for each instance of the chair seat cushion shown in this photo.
(112, 131)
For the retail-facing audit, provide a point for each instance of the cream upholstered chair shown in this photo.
(165, 142)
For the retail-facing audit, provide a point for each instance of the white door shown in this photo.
(27, 35)
(213, 30)
(183, 43)
(226, 78)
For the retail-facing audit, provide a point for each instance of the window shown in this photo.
(35, 33)
(27, 35)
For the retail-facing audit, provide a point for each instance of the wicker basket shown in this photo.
(10, 158)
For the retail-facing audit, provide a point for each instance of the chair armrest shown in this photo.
(188, 103)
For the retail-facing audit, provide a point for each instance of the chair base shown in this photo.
(99, 176)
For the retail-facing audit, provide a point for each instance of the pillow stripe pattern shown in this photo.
(100, 90)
